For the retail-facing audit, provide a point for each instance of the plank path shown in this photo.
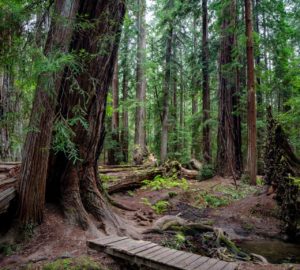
(145, 253)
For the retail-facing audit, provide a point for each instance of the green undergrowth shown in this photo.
(159, 208)
(223, 195)
(159, 183)
(177, 242)
(80, 263)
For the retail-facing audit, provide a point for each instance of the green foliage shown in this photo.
(146, 201)
(160, 207)
(224, 195)
(177, 242)
(8, 249)
(81, 263)
(159, 183)
(64, 135)
(107, 178)
(206, 172)
(172, 194)
(215, 201)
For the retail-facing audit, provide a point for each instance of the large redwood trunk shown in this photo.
(229, 158)
(251, 158)
(140, 129)
(82, 100)
(36, 149)
(79, 181)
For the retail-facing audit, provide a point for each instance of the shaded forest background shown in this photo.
(167, 86)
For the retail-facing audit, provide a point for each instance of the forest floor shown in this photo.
(246, 215)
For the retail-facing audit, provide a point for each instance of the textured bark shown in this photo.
(75, 182)
(195, 150)
(166, 96)
(206, 144)
(80, 191)
(125, 133)
(37, 144)
(114, 152)
(251, 121)
(229, 157)
(140, 130)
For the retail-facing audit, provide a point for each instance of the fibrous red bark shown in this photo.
(229, 157)
(81, 95)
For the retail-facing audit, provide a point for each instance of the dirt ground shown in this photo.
(253, 217)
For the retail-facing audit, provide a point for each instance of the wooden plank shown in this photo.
(119, 244)
(219, 266)
(171, 256)
(140, 249)
(109, 240)
(144, 253)
(163, 255)
(158, 253)
(184, 263)
(183, 257)
(230, 266)
(207, 265)
(148, 251)
(131, 245)
(197, 263)
(173, 261)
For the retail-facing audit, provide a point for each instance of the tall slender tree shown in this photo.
(166, 94)
(140, 130)
(251, 122)
(114, 151)
(205, 85)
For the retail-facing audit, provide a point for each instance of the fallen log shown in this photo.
(108, 170)
(133, 180)
(6, 196)
(8, 184)
(189, 174)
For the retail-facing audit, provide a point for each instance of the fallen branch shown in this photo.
(133, 179)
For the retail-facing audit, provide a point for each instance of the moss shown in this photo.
(80, 263)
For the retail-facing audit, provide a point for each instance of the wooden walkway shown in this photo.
(144, 253)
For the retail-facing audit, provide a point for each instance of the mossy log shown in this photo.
(132, 179)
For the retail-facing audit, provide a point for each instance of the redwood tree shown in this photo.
(251, 121)
(229, 157)
(205, 84)
(80, 99)
(140, 130)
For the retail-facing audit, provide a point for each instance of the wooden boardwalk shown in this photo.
(144, 253)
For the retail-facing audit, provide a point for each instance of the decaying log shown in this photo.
(116, 169)
(8, 184)
(133, 179)
(189, 174)
(6, 197)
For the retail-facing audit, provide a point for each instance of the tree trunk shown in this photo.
(251, 159)
(140, 130)
(206, 91)
(76, 181)
(125, 133)
(36, 149)
(195, 97)
(115, 151)
(229, 158)
(166, 90)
